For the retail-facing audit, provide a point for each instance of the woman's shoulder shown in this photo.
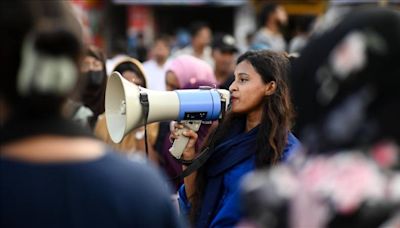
(234, 175)
(104, 176)
(291, 147)
(293, 140)
(134, 181)
(109, 183)
(109, 168)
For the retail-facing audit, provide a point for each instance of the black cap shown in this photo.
(225, 43)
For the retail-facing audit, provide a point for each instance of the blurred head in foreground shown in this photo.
(40, 52)
(345, 83)
(346, 93)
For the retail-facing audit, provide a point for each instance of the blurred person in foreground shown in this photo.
(224, 52)
(348, 175)
(86, 105)
(53, 173)
(255, 134)
(133, 144)
(272, 20)
(156, 67)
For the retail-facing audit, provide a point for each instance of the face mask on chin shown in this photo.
(94, 78)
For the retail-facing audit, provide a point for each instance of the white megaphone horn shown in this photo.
(129, 106)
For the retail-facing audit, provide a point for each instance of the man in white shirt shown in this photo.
(155, 68)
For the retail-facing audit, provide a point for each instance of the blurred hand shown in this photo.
(189, 152)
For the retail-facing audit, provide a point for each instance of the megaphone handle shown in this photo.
(180, 143)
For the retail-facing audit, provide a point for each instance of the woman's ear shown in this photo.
(270, 88)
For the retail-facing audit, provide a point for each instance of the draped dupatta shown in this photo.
(237, 147)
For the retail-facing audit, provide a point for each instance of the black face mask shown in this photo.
(94, 78)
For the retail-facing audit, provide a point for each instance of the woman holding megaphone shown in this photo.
(255, 134)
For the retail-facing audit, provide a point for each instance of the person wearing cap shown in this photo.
(224, 52)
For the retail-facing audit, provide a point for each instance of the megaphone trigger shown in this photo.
(180, 143)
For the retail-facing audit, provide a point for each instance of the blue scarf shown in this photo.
(238, 147)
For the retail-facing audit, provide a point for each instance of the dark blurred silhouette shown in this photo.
(303, 28)
(141, 48)
(347, 97)
(53, 172)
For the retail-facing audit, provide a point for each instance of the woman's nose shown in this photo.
(233, 87)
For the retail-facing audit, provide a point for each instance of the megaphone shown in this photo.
(129, 106)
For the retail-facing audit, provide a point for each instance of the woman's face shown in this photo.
(248, 91)
(171, 81)
(91, 64)
(133, 77)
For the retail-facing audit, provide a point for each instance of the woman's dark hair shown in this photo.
(196, 26)
(54, 31)
(276, 119)
(94, 97)
(129, 66)
(163, 38)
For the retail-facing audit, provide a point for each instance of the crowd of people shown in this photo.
(311, 139)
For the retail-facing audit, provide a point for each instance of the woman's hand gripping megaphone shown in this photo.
(184, 139)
